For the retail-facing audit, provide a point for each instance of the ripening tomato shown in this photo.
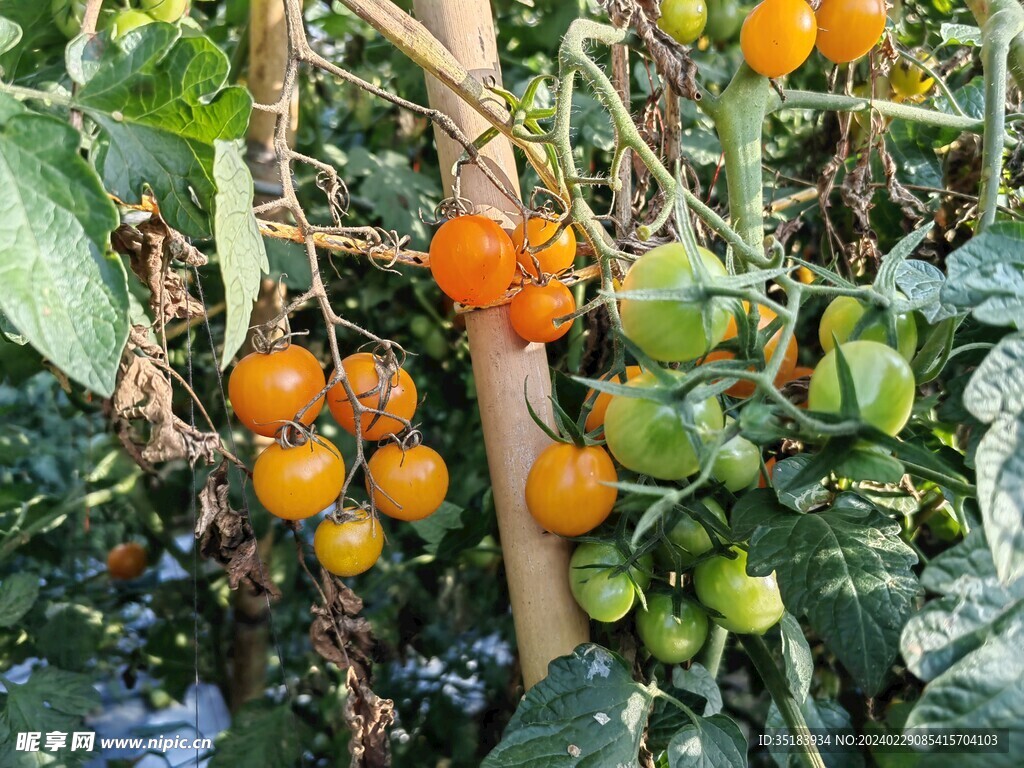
(472, 260)
(555, 258)
(600, 584)
(683, 20)
(566, 491)
(128, 20)
(882, 381)
(743, 388)
(765, 475)
(535, 307)
(268, 389)
(909, 81)
(687, 539)
(411, 484)
(777, 36)
(165, 10)
(595, 419)
(843, 314)
(67, 16)
(126, 561)
(671, 330)
(398, 398)
(749, 605)
(299, 482)
(653, 437)
(351, 547)
(848, 29)
(671, 636)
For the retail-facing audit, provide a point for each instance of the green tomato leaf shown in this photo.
(986, 277)
(50, 700)
(161, 100)
(922, 283)
(960, 34)
(869, 464)
(847, 569)
(18, 594)
(60, 288)
(588, 711)
(797, 480)
(821, 715)
(243, 259)
(982, 690)
(10, 34)
(262, 734)
(931, 358)
(997, 386)
(751, 509)
(796, 656)
(71, 636)
(893, 262)
(697, 680)
(708, 742)
(999, 461)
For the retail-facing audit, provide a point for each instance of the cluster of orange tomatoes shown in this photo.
(779, 35)
(279, 393)
(474, 262)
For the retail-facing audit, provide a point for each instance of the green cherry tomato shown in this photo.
(724, 20)
(843, 314)
(882, 380)
(683, 20)
(67, 16)
(687, 538)
(667, 329)
(128, 20)
(652, 437)
(165, 10)
(749, 604)
(605, 595)
(737, 464)
(672, 637)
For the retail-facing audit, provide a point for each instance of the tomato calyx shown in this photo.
(353, 513)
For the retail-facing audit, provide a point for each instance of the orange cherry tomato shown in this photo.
(765, 476)
(472, 260)
(411, 484)
(535, 308)
(595, 419)
(398, 399)
(800, 372)
(848, 29)
(777, 36)
(126, 561)
(351, 547)
(565, 491)
(299, 482)
(268, 388)
(553, 259)
(746, 388)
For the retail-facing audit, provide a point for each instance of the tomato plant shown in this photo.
(683, 20)
(655, 438)
(777, 36)
(554, 258)
(744, 388)
(268, 389)
(350, 547)
(408, 483)
(747, 604)
(393, 399)
(686, 538)
(882, 380)
(842, 316)
(848, 29)
(297, 482)
(645, 322)
(567, 490)
(126, 561)
(671, 636)
(602, 584)
(535, 307)
(472, 259)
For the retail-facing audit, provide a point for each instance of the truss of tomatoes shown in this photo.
(279, 393)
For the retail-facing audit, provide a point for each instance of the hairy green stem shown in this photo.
(1005, 22)
(788, 706)
(840, 103)
(20, 92)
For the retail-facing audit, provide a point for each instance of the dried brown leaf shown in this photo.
(369, 717)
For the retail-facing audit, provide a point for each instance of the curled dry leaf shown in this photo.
(151, 248)
(368, 717)
(144, 394)
(911, 206)
(226, 536)
(338, 632)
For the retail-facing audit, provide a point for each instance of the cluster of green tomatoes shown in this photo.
(68, 14)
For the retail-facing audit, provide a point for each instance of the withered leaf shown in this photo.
(368, 717)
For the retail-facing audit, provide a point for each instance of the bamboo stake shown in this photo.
(548, 622)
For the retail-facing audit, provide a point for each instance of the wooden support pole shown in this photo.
(547, 620)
